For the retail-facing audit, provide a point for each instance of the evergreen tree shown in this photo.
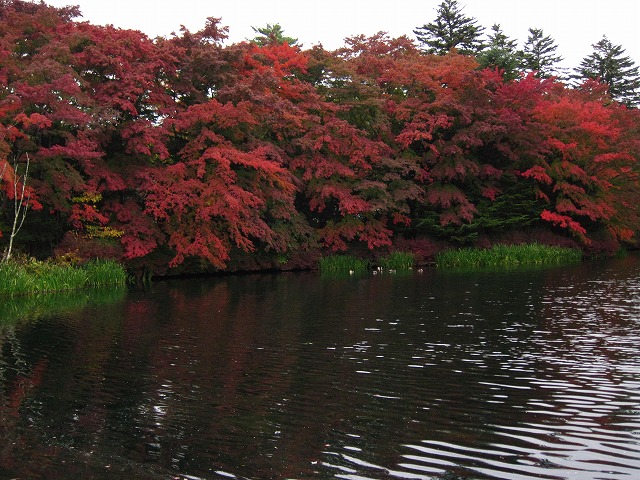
(272, 35)
(501, 52)
(451, 29)
(539, 54)
(608, 65)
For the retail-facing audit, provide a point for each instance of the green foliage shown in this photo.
(501, 53)
(515, 209)
(506, 256)
(34, 277)
(397, 261)
(608, 64)
(451, 29)
(272, 35)
(342, 264)
(101, 273)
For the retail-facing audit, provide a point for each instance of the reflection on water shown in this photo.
(28, 307)
(433, 375)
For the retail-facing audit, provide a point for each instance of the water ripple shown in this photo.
(443, 376)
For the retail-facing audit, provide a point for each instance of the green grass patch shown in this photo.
(342, 264)
(33, 277)
(397, 261)
(102, 273)
(508, 256)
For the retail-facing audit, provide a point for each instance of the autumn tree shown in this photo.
(186, 152)
(91, 103)
(438, 116)
(539, 54)
(584, 163)
(450, 29)
(34, 92)
(219, 190)
(356, 77)
(609, 65)
(203, 66)
(331, 157)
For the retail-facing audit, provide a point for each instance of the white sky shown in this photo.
(574, 24)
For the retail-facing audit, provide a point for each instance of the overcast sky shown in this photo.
(574, 24)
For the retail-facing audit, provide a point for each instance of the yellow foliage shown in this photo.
(94, 231)
(88, 198)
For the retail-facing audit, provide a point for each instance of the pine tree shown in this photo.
(608, 65)
(272, 35)
(451, 29)
(501, 52)
(539, 54)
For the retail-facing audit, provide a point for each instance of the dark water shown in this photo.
(460, 375)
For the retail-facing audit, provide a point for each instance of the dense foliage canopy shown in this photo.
(183, 153)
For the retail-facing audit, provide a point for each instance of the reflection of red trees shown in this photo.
(230, 372)
(24, 385)
(232, 361)
(181, 150)
(18, 392)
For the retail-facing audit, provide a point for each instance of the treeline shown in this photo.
(182, 154)
(453, 29)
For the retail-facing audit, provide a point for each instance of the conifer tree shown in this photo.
(539, 54)
(608, 64)
(501, 52)
(272, 35)
(451, 29)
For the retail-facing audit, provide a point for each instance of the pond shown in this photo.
(485, 375)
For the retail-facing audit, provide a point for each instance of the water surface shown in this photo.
(512, 375)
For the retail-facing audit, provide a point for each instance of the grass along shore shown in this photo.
(34, 277)
(342, 264)
(507, 256)
(395, 261)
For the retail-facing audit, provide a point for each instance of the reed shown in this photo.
(34, 277)
(342, 264)
(102, 273)
(397, 261)
(507, 256)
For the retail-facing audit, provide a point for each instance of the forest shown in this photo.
(184, 154)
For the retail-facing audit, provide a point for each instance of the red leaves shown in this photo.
(564, 221)
(218, 196)
(581, 137)
(539, 174)
(280, 59)
(208, 150)
(35, 120)
(142, 138)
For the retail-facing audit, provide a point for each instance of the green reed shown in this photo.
(507, 256)
(397, 261)
(34, 277)
(342, 264)
(102, 273)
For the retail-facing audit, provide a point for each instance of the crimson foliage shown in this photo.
(167, 151)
